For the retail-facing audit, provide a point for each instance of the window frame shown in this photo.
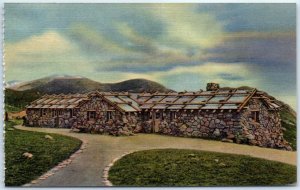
(172, 115)
(43, 112)
(54, 113)
(255, 116)
(109, 115)
(91, 115)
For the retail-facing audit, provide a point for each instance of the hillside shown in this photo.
(138, 85)
(22, 86)
(20, 95)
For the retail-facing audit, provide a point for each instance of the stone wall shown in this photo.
(119, 123)
(47, 118)
(215, 125)
(227, 126)
(266, 131)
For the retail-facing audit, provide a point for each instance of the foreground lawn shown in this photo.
(46, 153)
(174, 167)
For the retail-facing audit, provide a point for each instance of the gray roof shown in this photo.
(234, 99)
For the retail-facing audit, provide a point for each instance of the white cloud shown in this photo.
(49, 42)
(89, 38)
(185, 25)
(208, 72)
(43, 55)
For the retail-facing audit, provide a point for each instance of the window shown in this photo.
(44, 112)
(71, 113)
(108, 115)
(146, 116)
(54, 113)
(172, 115)
(91, 115)
(157, 115)
(255, 116)
(60, 112)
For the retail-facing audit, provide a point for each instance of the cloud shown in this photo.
(262, 17)
(50, 42)
(136, 41)
(213, 72)
(93, 40)
(271, 48)
(186, 27)
(42, 55)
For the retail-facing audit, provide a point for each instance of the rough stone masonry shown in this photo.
(232, 115)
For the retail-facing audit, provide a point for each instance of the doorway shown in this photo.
(157, 117)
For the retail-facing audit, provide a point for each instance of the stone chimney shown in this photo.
(212, 86)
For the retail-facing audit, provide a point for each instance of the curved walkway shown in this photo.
(87, 168)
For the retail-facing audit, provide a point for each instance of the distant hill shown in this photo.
(69, 84)
(21, 94)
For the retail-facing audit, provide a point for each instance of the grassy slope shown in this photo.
(289, 121)
(46, 154)
(12, 109)
(174, 167)
(20, 99)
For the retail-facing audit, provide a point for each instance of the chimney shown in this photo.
(212, 86)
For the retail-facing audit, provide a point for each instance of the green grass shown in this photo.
(10, 108)
(46, 153)
(289, 122)
(174, 167)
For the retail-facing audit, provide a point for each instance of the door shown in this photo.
(157, 119)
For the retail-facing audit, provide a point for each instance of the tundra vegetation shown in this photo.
(30, 154)
(175, 167)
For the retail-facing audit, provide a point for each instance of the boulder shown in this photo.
(252, 142)
(27, 155)
(212, 124)
(230, 136)
(183, 127)
(48, 137)
(138, 129)
(227, 140)
(75, 130)
(189, 130)
(217, 133)
(250, 137)
(125, 120)
(206, 124)
(195, 133)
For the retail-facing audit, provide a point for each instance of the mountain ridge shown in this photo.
(22, 94)
(77, 84)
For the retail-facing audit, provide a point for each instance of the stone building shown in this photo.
(232, 115)
(98, 112)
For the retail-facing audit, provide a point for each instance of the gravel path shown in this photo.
(87, 168)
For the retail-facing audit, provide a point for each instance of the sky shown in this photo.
(182, 46)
